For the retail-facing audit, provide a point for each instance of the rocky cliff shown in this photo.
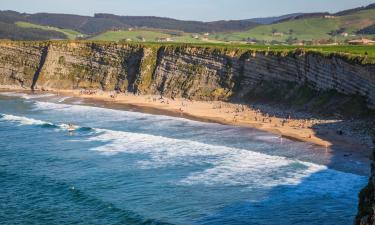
(181, 71)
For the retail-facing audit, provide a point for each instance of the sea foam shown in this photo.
(22, 120)
(26, 96)
(226, 165)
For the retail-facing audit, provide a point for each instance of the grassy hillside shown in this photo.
(306, 29)
(14, 32)
(71, 34)
(148, 35)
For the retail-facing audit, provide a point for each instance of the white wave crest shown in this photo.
(230, 166)
(225, 165)
(63, 99)
(22, 120)
(26, 96)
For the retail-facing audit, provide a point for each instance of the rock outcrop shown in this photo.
(366, 207)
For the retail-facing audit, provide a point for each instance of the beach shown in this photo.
(128, 164)
(286, 123)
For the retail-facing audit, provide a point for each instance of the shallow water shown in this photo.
(122, 167)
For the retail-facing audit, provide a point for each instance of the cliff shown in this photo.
(204, 73)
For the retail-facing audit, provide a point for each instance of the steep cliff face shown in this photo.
(182, 71)
(316, 71)
(19, 62)
(88, 65)
(197, 73)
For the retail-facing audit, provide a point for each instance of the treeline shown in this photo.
(104, 22)
(173, 24)
(367, 31)
(351, 11)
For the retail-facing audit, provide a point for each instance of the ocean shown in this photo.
(128, 167)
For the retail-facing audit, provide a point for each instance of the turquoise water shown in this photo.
(123, 167)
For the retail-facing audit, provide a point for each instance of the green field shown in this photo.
(305, 29)
(148, 35)
(71, 34)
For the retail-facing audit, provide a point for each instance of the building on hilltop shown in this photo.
(195, 36)
(329, 17)
(168, 39)
(278, 34)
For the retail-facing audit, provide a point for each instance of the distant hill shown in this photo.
(303, 16)
(104, 22)
(309, 27)
(351, 11)
(173, 24)
(102, 26)
(269, 20)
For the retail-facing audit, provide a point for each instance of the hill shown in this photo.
(104, 22)
(269, 20)
(355, 10)
(317, 27)
(314, 28)
(173, 24)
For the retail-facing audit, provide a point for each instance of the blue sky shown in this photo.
(205, 10)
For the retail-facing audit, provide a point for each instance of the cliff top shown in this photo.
(362, 54)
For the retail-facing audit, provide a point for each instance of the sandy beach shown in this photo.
(287, 124)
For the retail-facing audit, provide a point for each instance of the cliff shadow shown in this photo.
(43, 58)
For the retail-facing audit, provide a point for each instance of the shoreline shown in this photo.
(319, 132)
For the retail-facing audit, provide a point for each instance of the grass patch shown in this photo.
(71, 34)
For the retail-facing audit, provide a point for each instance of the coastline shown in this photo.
(320, 132)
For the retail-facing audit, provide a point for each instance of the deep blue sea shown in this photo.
(126, 167)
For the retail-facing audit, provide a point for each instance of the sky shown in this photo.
(203, 10)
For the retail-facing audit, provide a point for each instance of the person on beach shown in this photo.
(113, 96)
